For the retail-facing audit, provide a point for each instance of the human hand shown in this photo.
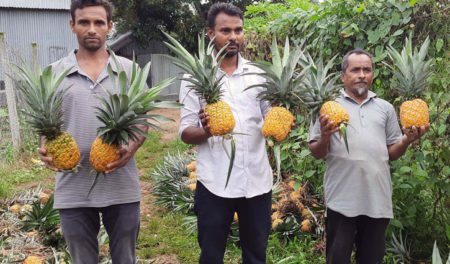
(414, 133)
(126, 152)
(43, 154)
(204, 119)
(326, 128)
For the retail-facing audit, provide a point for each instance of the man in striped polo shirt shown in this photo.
(117, 196)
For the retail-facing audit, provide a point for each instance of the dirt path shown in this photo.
(170, 128)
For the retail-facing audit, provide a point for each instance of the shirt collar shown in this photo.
(241, 67)
(71, 61)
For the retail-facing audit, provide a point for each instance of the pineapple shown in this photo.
(318, 92)
(202, 70)
(411, 72)
(281, 83)
(33, 260)
(122, 112)
(40, 90)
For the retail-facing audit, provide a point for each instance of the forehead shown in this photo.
(91, 12)
(359, 60)
(224, 20)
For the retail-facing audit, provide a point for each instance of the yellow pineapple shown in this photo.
(33, 260)
(281, 84)
(337, 114)
(275, 223)
(306, 225)
(203, 81)
(44, 100)
(320, 90)
(122, 112)
(411, 72)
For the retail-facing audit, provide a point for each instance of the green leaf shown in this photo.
(396, 223)
(413, 2)
(297, 185)
(310, 173)
(398, 32)
(441, 129)
(405, 186)
(405, 169)
(439, 44)
(447, 231)
(360, 8)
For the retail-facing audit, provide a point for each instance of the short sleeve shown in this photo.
(191, 107)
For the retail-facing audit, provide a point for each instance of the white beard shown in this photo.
(360, 91)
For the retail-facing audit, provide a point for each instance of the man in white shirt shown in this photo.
(249, 189)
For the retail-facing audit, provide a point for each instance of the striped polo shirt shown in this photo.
(119, 187)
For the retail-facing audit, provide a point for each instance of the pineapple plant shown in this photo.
(203, 81)
(411, 72)
(44, 100)
(281, 82)
(122, 112)
(319, 91)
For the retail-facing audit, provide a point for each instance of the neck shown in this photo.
(99, 55)
(229, 64)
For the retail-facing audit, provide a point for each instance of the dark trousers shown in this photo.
(215, 215)
(365, 232)
(81, 226)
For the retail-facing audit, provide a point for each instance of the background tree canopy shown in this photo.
(183, 18)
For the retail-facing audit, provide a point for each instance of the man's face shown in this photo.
(228, 29)
(91, 27)
(358, 76)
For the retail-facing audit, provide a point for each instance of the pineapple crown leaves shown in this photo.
(42, 217)
(318, 85)
(124, 111)
(41, 94)
(201, 68)
(410, 68)
(282, 79)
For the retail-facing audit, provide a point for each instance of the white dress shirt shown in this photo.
(251, 174)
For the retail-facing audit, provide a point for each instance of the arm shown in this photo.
(319, 148)
(126, 152)
(410, 135)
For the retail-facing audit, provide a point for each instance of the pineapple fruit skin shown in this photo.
(336, 113)
(64, 151)
(414, 113)
(32, 260)
(277, 123)
(221, 120)
(102, 154)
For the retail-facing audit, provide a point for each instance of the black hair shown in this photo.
(227, 8)
(344, 63)
(80, 4)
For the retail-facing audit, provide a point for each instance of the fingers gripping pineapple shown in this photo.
(123, 112)
(202, 71)
(44, 100)
(411, 72)
(319, 91)
(281, 83)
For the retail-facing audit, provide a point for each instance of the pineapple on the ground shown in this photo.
(123, 112)
(32, 260)
(202, 76)
(281, 84)
(320, 90)
(411, 72)
(44, 100)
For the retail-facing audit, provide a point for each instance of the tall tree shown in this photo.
(183, 18)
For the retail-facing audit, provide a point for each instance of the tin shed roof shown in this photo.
(36, 4)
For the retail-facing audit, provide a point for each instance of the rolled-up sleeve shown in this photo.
(189, 112)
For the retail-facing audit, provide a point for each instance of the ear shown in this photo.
(210, 32)
(110, 26)
(72, 25)
(342, 76)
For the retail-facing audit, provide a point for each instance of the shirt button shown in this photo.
(92, 86)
